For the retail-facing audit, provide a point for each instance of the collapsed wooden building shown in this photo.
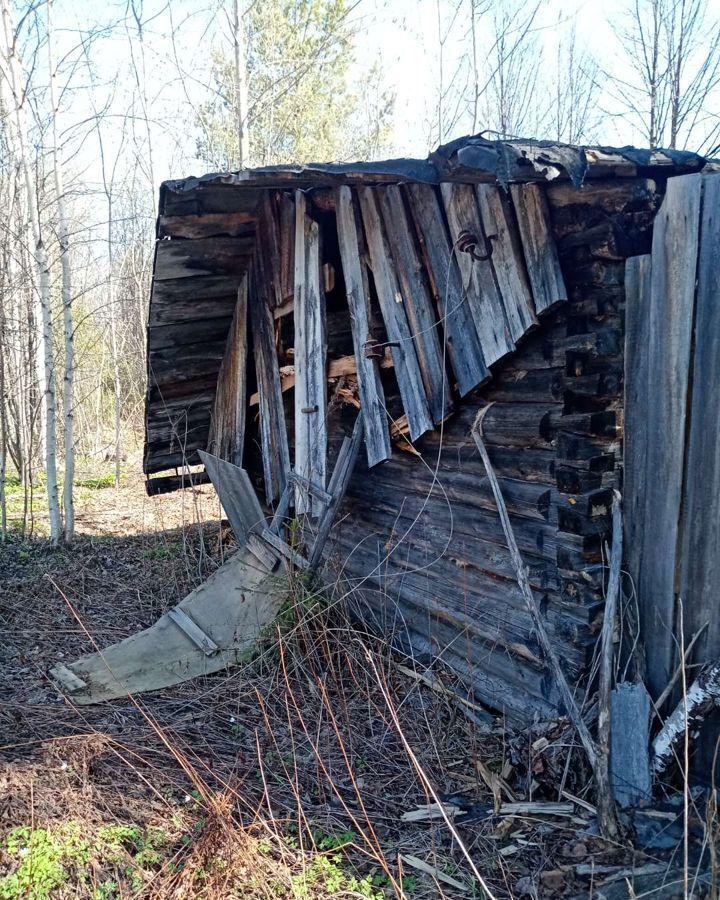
(491, 276)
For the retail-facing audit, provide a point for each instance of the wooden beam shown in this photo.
(372, 396)
(541, 256)
(418, 305)
(310, 354)
(407, 369)
(478, 278)
(237, 495)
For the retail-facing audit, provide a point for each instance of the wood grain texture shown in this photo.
(637, 392)
(372, 396)
(541, 256)
(422, 318)
(204, 256)
(407, 368)
(236, 494)
(478, 278)
(273, 431)
(310, 355)
(630, 742)
(672, 299)
(463, 344)
(700, 550)
(498, 218)
(227, 425)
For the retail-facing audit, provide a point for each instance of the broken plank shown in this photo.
(630, 776)
(284, 549)
(407, 369)
(498, 219)
(310, 354)
(237, 495)
(416, 296)
(478, 278)
(463, 344)
(539, 248)
(273, 431)
(372, 396)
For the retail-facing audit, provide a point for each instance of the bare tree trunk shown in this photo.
(11, 69)
(241, 88)
(68, 328)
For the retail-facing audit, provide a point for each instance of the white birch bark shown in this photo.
(68, 328)
(12, 73)
(241, 100)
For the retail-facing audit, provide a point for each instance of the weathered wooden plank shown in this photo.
(227, 426)
(235, 224)
(630, 744)
(273, 431)
(195, 634)
(237, 495)
(700, 553)
(637, 395)
(168, 337)
(407, 369)
(180, 300)
(285, 212)
(461, 336)
(416, 298)
(541, 257)
(672, 286)
(372, 397)
(478, 278)
(310, 355)
(169, 483)
(204, 256)
(278, 544)
(498, 219)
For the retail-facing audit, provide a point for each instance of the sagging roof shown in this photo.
(206, 237)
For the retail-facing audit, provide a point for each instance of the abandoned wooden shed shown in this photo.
(491, 276)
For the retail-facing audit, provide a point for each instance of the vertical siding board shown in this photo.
(700, 556)
(417, 301)
(310, 360)
(478, 278)
(407, 369)
(672, 287)
(541, 256)
(637, 392)
(372, 397)
(507, 260)
(273, 432)
(462, 340)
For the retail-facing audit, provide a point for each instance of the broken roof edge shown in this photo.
(472, 158)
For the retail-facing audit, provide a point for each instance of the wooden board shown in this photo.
(227, 426)
(478, 278)
(310, 355)
(463, 344)
(498, 219)
(372, 396)
(204, 256)
(234, 608)
(672, 287)
(541, 256)
(407, 368)
(237, 495)
(637, 392)
(629, 744)
(422, 318)
(273, 431)
(700, 550)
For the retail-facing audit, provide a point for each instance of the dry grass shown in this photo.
(287, 778)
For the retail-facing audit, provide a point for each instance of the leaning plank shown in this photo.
(700, 556)
(416, 295)
(478, 278)
(407, 369)
(195, 634)
(310, 353)
(498, 219)
(236, 494)
(637, 394)
(629, 741)
(461, 336)
(227, 426)
(372, 397)
(539, 247)
(668, 347)
(273, 432)
(234, 607)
